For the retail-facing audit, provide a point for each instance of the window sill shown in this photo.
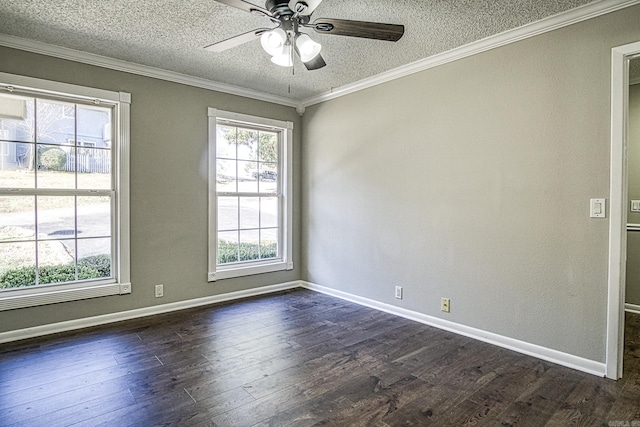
(31, 297)
(248, 270)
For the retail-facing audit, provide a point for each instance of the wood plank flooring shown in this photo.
(299, 358)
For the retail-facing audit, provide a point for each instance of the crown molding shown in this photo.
(142, 70)
(564, 19)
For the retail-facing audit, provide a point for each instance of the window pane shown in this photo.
(94, 127)
(268, 178)
(248, 226)
(249, 245)
(56, 166)
(48, 145)
(94, 168)
(17, 264)
(94, 258)
(55, 122)
(227, 247)
(226, 142)
(269, 243)
(227, 213)
(17, 218)
(247, 144)
(94, 216)
(249, 212)
(56, 217)
(56, 261)
(269, 212)
(226, 176)
(268, 147)
(247, 177)
(16, 118)
(16, 165)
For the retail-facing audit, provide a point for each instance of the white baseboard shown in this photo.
(71, 325)
(550, 355)
(554, 356)
(632, 308)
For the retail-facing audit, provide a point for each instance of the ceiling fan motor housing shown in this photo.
(278, 7)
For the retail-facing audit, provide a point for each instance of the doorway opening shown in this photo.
(619, 187)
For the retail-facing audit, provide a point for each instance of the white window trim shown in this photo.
(216, 272)
(121, 284)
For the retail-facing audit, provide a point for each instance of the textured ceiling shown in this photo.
(171, 34)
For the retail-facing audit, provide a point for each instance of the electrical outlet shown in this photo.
(445, 305)
(159, 291)
(399, 292)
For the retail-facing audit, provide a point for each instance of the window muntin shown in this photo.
(247, 185)
(56, 198)
(250, 206)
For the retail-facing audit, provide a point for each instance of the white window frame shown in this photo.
(120, 284)
(285, 261)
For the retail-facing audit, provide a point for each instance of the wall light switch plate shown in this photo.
(598, 208)
(635, 206)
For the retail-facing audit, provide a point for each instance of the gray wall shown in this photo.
(168, 188)
(633, 237)
(472, 181)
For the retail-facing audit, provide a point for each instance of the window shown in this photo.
(64, 193)
(249, 195)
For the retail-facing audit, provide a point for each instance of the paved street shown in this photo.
(58, 226)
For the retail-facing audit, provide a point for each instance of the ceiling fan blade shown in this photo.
(304, 7)
(367, 30)
(236, 41)
(246, 6)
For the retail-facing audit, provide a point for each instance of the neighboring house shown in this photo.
(91, 146)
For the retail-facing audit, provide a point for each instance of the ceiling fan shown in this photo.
(291, 16)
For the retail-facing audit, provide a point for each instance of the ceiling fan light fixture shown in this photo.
(273, 42)
(283, 59)
(284, 38)
(307, 48)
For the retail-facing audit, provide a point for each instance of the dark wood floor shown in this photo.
(298, 358)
